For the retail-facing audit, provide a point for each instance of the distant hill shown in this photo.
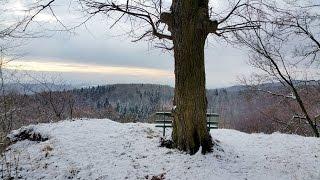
(27, 88)
(239, 107)
(137, 101)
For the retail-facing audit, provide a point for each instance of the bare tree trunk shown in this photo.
(4, 108)
(313, 125)
(189, 127)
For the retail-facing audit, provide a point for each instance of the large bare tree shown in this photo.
(182, 26)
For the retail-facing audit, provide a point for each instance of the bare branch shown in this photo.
(41, 8)
(129, 10)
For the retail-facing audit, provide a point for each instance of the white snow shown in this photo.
(103, 149)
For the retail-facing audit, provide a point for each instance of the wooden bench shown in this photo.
(166, 121)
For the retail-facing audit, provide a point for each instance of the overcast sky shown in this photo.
(100, 55)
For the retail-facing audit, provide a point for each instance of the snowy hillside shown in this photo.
(103, 149)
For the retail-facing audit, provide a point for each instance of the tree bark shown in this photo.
(189, 34)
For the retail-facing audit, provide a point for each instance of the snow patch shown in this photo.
(104, 149)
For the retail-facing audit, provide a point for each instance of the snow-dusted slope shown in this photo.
(103, 149)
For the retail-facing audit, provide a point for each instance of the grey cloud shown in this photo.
(103, 46)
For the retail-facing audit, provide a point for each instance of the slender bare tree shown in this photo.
(273, 48)
(7, 108)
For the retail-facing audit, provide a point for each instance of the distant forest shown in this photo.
(240, 107)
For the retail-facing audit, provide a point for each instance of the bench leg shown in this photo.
(164, 131)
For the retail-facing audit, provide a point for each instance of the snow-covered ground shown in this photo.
(103, 149)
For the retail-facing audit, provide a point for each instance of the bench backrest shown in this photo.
(167, 122)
